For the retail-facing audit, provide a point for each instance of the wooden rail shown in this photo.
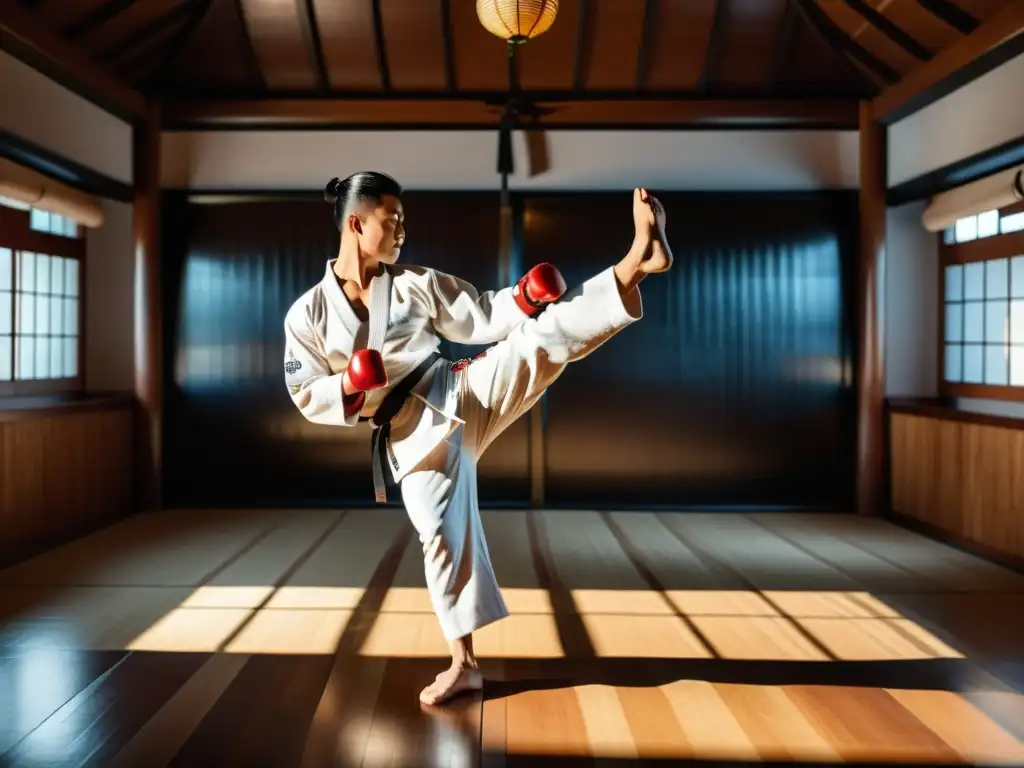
(959, 474)
(65, 471)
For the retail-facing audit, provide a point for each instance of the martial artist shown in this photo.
(362, 344)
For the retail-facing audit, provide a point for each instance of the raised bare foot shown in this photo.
(454, 680)
(649, 220)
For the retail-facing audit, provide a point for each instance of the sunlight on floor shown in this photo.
(766, 626)
(692, 719)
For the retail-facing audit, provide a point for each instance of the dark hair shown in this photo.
(357, 188)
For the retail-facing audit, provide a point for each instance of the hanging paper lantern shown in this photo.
(517, 20)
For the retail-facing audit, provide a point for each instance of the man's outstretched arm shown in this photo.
(465, 315)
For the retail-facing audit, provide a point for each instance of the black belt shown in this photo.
(383, 468)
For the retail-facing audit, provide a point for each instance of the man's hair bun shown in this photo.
(333, 190)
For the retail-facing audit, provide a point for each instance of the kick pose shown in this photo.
(363, 343)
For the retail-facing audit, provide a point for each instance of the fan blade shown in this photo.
(537, 151)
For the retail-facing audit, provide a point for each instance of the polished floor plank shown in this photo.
(678, 571)
(942, 566)
(160, 739)
(404, 733)
(336, 576)
(251, 577)
(152, 549)
(96, 617)
(36, 682)
(94, 725)
(962, 726)
(872, 572)
(869, 725)
(568, 624)
(341, 722)
(763, 560)
(983, 626)
(262, 717)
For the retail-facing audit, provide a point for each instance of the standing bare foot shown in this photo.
(459, 677)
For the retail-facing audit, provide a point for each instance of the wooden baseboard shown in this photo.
(984, 551)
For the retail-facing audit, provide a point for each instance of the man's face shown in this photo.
(382, 232)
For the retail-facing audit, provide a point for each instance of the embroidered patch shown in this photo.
(292, 366)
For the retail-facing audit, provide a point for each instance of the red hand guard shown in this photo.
(540, 286)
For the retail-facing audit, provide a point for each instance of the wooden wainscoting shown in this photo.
(959, 475)
(65, 471)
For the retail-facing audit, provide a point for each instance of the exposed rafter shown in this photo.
(582, 52)
(998, 39)
(97, 18)
(23, 35)
(381, 46)
(137, 43)
(314, 47)
(721, 18)
(449, 45)
(952, 14)
(178, 43)
(893, 31)
(840, 45)
(252, 61)
(650, 14)
(782, 46)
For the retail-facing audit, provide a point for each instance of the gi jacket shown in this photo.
(322, 332)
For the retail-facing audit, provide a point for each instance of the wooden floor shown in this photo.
(301, 638)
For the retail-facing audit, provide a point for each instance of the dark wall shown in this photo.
(734, 389)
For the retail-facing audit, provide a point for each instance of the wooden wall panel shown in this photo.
(961, 479)
(62, 475)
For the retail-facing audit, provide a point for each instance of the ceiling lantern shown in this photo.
(517, 20)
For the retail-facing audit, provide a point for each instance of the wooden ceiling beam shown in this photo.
(449, 45)
(950, 13)
(381, 46)
(650, 11)
(891, 30)
(314, 45)
(714, 48)
(782, 46)
(252, 61)
(42, 48)
(842, 44)
(97, 18)
(433, 113)
(137, 43)
(584, 42)
(997, 40)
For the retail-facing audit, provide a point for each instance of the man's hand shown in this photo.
(365, 372)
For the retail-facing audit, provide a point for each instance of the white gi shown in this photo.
(436, 459)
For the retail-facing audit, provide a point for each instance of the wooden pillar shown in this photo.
(148, 325)
(870, 306)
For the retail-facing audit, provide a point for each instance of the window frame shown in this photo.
(16, 233)
(997, 246)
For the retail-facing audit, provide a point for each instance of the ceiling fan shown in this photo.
(517, 22)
